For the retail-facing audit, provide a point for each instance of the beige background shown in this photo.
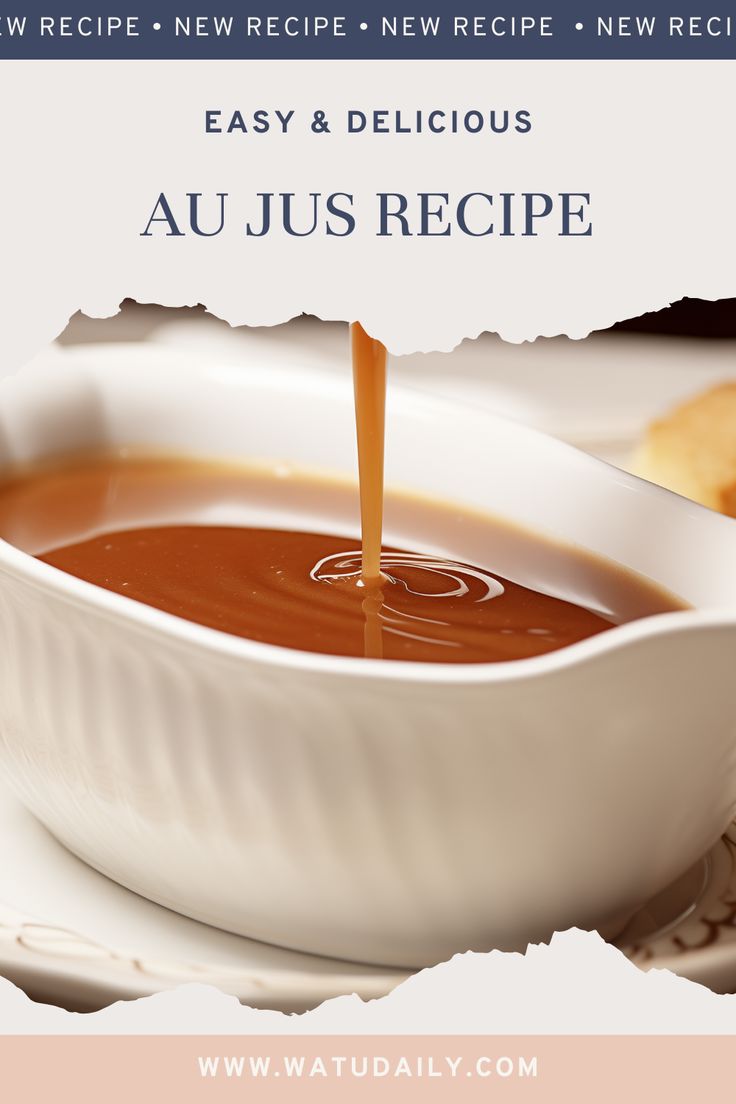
(88, 147)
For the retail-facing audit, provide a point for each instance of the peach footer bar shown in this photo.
(358, 1068)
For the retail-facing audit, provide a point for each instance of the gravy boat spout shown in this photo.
(387, 812)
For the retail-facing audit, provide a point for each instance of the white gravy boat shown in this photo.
(386, 812)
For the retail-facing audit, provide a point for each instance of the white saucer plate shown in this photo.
(68, 935)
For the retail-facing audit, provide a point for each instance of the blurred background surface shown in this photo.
(598, 393)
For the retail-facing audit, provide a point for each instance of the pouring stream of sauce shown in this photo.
(369, 380)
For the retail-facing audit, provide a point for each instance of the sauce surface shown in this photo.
(274, 557)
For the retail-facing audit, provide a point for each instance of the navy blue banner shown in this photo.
(452, 29)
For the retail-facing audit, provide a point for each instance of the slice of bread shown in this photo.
(693, 450)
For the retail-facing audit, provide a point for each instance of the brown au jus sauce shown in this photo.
(275, 559)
